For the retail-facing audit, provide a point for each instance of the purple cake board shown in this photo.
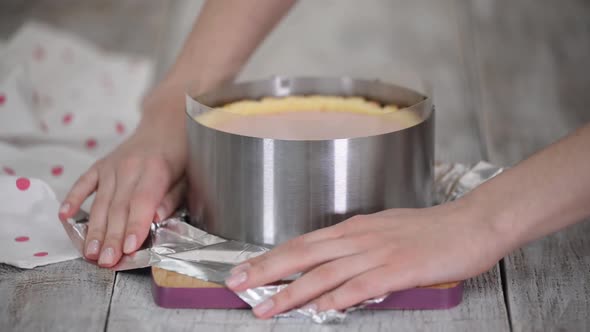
(223, 298)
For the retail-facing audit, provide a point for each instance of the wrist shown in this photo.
(166, 97)
(495, 216)
(163, 113)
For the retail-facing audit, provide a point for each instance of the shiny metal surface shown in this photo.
(267, 191)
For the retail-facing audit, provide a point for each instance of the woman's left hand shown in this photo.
(372, 255)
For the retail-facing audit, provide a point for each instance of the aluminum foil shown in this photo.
(255, 296)
(175, 245)
(452, 181)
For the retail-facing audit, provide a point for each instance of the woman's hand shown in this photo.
(141, 180)
(371, 255)
(142, 177)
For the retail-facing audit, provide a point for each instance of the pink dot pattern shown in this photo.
(39, 53)
(44, 127)
(67, 118)
(57, 170)
(53, 117)
(23, 184)
(8, 171)
(91, 143)
(120, 127)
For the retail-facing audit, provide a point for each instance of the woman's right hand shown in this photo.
(141, 180)
(143, 176)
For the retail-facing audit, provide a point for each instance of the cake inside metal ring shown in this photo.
(308, 118)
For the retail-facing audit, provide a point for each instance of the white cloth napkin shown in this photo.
(63, 104)
(30, 232)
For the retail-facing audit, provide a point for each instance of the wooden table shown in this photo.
(509, 77)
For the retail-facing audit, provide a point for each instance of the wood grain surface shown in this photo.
(73, 296)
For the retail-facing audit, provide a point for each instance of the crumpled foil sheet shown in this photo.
(175, 245)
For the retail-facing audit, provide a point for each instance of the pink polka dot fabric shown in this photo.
(63, 89)
(64, 103)
(30, 232)
(23, 184)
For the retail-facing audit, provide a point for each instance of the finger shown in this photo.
(348, 227)
(391, 213)
(149, 192)
(82, 188)
(326, 233)
(316, 282)
(372, 284)
(171, 201)
(98, 215)
(300, 257)
(127, 176)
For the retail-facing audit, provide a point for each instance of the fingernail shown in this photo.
(264, 307)
(160, 213)
(130, 243)
(310, 307)
(240, 268)
(65, 207)
(92, 247)
(107, 257)
(236, 279)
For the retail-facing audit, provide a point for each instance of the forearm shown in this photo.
(224, 36)
(541, 195)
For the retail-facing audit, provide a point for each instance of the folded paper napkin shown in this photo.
(64, 103)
